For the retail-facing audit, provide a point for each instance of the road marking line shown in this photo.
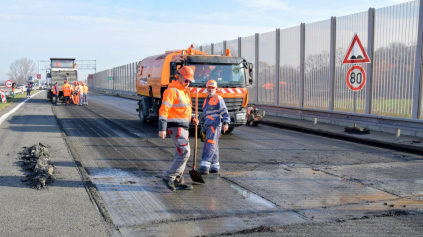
(4, 117)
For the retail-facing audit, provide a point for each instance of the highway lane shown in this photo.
(270, 177)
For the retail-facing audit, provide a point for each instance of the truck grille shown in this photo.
(232, 104)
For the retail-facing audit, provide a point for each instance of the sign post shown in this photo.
(356, 76)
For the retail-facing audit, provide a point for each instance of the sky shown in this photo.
(115, 33)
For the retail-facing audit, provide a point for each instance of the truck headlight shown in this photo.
(241, 116)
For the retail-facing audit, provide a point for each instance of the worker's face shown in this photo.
(184, 82)
(211, 90)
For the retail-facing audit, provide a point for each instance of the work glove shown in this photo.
(203, 137)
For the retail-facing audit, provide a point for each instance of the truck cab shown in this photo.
(232, 74)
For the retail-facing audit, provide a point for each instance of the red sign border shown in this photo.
(6, 83)
(364, 78)
(366, 57)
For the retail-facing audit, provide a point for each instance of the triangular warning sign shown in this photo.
(356, 52)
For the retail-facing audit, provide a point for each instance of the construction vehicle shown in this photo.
(61, 69)
(232, 74)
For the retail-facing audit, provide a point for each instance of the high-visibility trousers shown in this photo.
(75, 99)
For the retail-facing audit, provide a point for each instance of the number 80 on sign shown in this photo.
(356, 78)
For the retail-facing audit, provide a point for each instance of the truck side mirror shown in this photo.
(250, 73)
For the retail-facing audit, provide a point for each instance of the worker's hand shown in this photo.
(162, 134)
(195, 121)
(225, 128)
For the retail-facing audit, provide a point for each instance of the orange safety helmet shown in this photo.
(187, 73)
(75, 83)
(212, 83)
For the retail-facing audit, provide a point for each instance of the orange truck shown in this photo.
(232, 74)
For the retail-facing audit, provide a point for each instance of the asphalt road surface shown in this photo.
(273, 182)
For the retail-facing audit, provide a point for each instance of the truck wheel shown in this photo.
(51, 96)
(143, 119)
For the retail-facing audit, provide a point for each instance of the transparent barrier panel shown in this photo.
(346, 28)
(267, 61)
(316, 65)
(207, 49)
(233, 46)
(394, 58)
(289, 70)
(218, 49)
(249, 54)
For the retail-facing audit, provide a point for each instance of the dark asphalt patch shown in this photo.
(35, 160)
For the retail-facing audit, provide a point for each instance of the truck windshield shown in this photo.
(226, 75)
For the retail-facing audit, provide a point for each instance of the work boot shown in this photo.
(169, 184)
(183, 186)
(203, 171)
(214, 171)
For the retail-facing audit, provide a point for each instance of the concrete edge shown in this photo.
(364, 141)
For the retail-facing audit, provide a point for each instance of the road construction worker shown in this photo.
(175, 115)
(66, 88)
(85, 101)
(28, 90)
(80, 93)
(13, 89)
(75, 93)
(214, 109)
(56, 92)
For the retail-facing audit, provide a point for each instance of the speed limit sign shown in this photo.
(356, 78)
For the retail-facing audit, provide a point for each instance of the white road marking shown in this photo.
(4, 117)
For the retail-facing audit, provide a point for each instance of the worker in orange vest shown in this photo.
(13, 89)
(66, 88)
(85, 101)
(56, 92)
(175, 115)
(75, 93)
(215, 113)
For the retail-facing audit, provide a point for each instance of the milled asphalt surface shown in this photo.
(65, 208)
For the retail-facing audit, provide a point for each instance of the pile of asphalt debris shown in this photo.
(35, 160)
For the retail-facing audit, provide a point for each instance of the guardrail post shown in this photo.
(369, 66)
(302, 64)
(332, 62)
(256, 67)
(417, 96)
(277, 64)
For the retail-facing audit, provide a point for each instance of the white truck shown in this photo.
(61, 69)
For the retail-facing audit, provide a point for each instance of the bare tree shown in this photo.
(21, 70)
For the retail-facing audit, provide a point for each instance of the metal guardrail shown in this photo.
(363, 119)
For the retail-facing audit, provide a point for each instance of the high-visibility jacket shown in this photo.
(80, 90)
(214, 108)
(85, 89)
(66, 88)
(55, 89)
(176, 106)
(75, 89)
